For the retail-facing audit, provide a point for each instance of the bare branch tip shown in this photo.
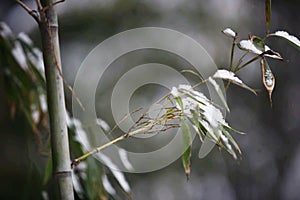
(31, 12)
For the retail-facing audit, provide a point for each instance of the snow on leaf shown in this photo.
(23, 37)
(119, 176)
(249, 46)
(108, 187)
(218, 90)
(35, 114)
(205, 117)
(292, 39)
(43, 103)
(230, 76)
(103, 124)
(5, 31)
(229, 32)
(19, 55)
(185, 87)
(175, 92)
(82, 138)
(124, 158)
(36, 57)
(187, 147)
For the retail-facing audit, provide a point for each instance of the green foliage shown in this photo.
(22, 69)
(187, 147)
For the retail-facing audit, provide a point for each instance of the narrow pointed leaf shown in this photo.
(268, 13)
(192, 72)
(255, 45)
(187, 147)
(230, 76)
(267, 78)
(218, 90)
(272, 54)
(294, 41)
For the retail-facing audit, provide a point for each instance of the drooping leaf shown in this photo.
(230, 76)
(256, 46)
(187, 147)
(267, 78)
(268, 13)
(272, 54)
(48, 171)
(206, 119)
(294, 41)
(248, 45)
(218, 90)
(192, 72)
(229, 32)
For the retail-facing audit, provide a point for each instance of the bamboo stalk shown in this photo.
(56, 101)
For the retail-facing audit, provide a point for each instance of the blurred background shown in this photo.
(270, 164)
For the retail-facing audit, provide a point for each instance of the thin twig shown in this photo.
(52, 4)
(39, 5)
(31, 12)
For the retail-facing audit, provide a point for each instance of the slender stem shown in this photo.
(247, 63)
(98, 149)
(232, 54)
(241, 59)
(56, 101)
(231, 60)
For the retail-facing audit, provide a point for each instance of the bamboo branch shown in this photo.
(45, 8)
(31, 12)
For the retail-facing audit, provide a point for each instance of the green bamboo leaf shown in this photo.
(179, 101)
(232, 141)
(294, 41)
(226, 127)
(192, 72)
(48, 171)
(267, 78)
(268, 13)
(220, 93)
(187, 147)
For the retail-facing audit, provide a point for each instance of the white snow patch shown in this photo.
(43, 102)
(115, 170)
(248, 45)
(225, 74)
(175, 92)
(35, 114)
(124, 159)
(287, 36)
(103, 124)
(108, 187)
(5, 31)
(19, 55)
(24, 37)
(229, 32)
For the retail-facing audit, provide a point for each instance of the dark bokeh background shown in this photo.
(270, 166)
